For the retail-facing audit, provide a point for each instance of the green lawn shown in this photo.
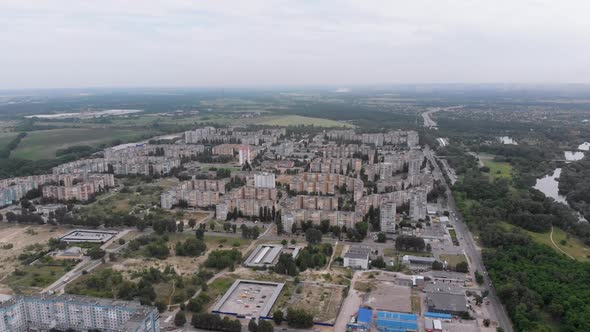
(499, 170)
(296, 120)
(43, 144)
(36, 277)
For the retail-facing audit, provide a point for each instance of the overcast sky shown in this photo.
(239, 43)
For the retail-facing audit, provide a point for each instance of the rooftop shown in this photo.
(446, 302)
(358, 252)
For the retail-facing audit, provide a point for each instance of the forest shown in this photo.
(538, 286)
(574, 183)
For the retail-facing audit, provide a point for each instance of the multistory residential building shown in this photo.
(78, 313)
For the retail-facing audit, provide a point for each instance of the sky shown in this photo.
(255, 43)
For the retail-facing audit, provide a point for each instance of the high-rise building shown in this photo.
(244, 153)
(387, 215)
(264, 180)
(78, 313)
(418, 205)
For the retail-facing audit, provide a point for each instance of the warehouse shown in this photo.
(268, 255)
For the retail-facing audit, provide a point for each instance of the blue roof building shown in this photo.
(396, 322)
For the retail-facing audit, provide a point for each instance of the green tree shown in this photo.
(252, 326)
(179, 319)
(299, 318)
(265, 326)
(278, 317)
(313, 235)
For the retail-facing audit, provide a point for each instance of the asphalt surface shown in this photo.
(466, 239)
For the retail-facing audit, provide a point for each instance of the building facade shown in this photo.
(78, 313)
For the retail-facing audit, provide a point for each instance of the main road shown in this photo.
(466, 239)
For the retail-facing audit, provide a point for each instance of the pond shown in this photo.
(549, 185)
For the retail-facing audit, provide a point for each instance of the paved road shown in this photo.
(467, 242)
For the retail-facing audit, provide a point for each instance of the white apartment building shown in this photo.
(264, 180)
(387, 217)
(79, 313)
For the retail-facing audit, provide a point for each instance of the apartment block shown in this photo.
(77, 313)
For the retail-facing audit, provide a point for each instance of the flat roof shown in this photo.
(268, 254)
(249, 298)
(358, 252)
(446, 302)
(365, 315)
(82, 235)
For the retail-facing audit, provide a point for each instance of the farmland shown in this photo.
(43, 144)
(296, 120)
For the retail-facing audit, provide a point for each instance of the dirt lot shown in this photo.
(182, 265)
(383, 293)
(323, 300)
(21, 236)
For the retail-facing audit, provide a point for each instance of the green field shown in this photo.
(296, 120)
(43, 144)
(573, 246)
(453, 260)
(499, 170)
(35, 277)
(5, 138)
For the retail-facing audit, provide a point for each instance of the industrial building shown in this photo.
(446, 303)
(249, 299)
(357, 257)
(93, 236)
(77, 313)
(396, 322)
(268, 255)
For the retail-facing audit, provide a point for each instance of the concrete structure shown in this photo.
(78, 313)
(418, 205)
(268, 255)
(388, 217)
(249, 299)
(357, 257)
(396, 321)
(326, 184)
(454, 304)
(264, 180)
(196, 193)
(72, 253)
(244, 154)
(13, 189)
(417, 260)
(92, 236)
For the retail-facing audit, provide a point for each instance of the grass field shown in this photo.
(296, 120)
(453, 260)
(499, 170)
(5, 138)
(36, 277)
(573, 246)
(43, 144)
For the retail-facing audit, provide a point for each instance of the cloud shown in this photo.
(251, 43)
